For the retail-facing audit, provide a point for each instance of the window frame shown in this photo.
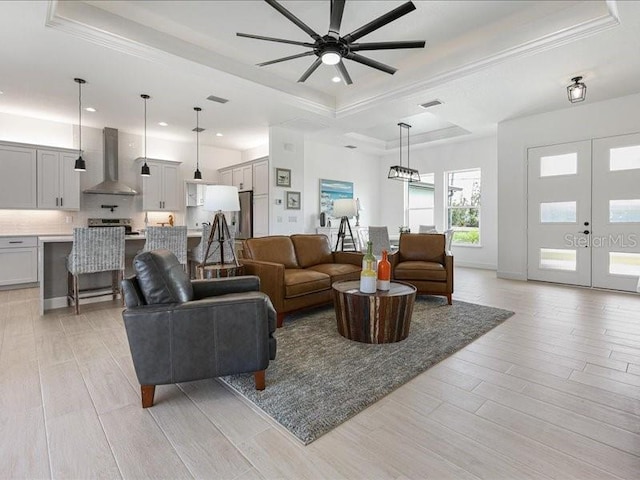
(448, 208)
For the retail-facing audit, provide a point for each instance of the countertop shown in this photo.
(69, 238)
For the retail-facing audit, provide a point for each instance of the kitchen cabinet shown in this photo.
(18, 180)
(261, 178)
(243, 177)
(160, 189)
(226, 177)
(260, 216)
(19, 260)
(58, 182)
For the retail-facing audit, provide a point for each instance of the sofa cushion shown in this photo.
(338, 271)
(276, 249)
(298, 282)
(312, 249)
(426, 247)
(416, 270)
(162, 278)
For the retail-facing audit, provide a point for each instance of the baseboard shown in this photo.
(19, 286)
(512, 275)
(481, 266)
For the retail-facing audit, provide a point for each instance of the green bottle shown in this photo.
(368, 275)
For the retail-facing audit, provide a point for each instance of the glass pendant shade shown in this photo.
(577, 91)
(399, 172)
(80, 165)
(145, 171)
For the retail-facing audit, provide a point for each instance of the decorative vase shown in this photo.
(384, 272)
(368, 274)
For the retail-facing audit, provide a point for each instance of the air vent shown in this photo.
(432, 103)
(198, 129)
(213, 98)
(350, 146)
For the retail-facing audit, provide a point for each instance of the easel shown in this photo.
(342, 233)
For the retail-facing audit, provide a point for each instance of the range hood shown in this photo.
(111, 185)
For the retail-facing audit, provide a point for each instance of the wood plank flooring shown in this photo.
(553, 392)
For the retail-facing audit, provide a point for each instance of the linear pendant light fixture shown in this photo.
(80, 165)
(197, 175)
(398, 172)
(145, 171)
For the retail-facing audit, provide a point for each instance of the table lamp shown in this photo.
(344, 208)
(220, 199)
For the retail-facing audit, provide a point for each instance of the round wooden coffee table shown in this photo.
(381, 317)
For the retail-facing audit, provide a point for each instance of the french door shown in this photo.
(584, 213)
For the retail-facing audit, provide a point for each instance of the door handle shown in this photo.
(57, 201)
(60, 201)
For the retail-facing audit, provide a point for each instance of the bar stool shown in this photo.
(95, 249)
(173, 239)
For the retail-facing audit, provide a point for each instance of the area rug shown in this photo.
(319, 379)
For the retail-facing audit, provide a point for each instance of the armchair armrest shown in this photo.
(222, 286)
(354, 258)
(394, 259)
(271, 279)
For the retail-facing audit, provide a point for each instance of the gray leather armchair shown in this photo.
(181, 330)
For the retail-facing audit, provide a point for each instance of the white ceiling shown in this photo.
(487, 61)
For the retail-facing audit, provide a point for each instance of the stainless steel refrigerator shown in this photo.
(244, 221)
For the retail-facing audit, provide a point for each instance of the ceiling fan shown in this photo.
(332, 49)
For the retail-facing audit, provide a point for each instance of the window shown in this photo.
(421, 196)
(463, 206)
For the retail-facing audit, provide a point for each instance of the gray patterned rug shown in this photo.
(320, 379)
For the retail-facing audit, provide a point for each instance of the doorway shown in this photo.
(584, 213)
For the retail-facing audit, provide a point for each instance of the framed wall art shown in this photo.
(283, 177)
(331, 190)
(293, 201)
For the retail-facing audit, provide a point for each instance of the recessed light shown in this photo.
(1, 92)
(90, 109)
(218, 134)
(335, 79)
(163, 124)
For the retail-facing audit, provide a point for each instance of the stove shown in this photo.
(112, 222)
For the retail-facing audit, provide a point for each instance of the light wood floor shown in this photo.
(553, 392)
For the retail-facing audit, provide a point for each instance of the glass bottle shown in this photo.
(368, 274)
(384, 272)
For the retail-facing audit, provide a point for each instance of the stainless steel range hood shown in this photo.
(111, 185)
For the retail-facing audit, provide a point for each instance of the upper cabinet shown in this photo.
(226, 177)
(195, 194)
(160, 190)
(243, 177)
(249, 176)
(261, 177)
(58, 182)
(38, 177)
(18, 179)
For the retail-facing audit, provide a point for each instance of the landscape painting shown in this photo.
(331, 190)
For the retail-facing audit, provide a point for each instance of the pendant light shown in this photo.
(197, 175)
(145, 172)
(80, 165)
(398, 172)
(577, 91)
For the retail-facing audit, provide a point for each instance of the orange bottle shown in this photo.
(384, 272)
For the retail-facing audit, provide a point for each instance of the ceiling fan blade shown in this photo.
(284, 59)
(370, 63)
(293, 19)
(380, 21)
(310, 70)
(355, 47)
(337, 8)
(342, 71)
(272, 39)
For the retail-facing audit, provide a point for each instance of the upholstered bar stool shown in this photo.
(96, 249)
(173, 239)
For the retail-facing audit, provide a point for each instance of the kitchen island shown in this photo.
(52, 267)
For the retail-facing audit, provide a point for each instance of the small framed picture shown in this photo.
(283, 177)
(293, 200)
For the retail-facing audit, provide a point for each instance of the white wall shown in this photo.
(339, 163)
(438, 159)
(576, 122)
(255, 153)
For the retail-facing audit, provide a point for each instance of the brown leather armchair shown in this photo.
(423, 261)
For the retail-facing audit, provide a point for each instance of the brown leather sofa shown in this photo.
(297, 271)
(422, 261)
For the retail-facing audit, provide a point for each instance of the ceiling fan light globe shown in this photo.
(331, 58)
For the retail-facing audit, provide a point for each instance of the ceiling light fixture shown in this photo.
(197, 175)
(335, 79)
(398, 172)
(577, 91)
(163, 124)
(330, 56)
(219, 134)
(145, 171)
(80, 165)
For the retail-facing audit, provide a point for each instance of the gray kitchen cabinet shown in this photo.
(18, 184)
(160, 189)
(19, 260)
(58, 182)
